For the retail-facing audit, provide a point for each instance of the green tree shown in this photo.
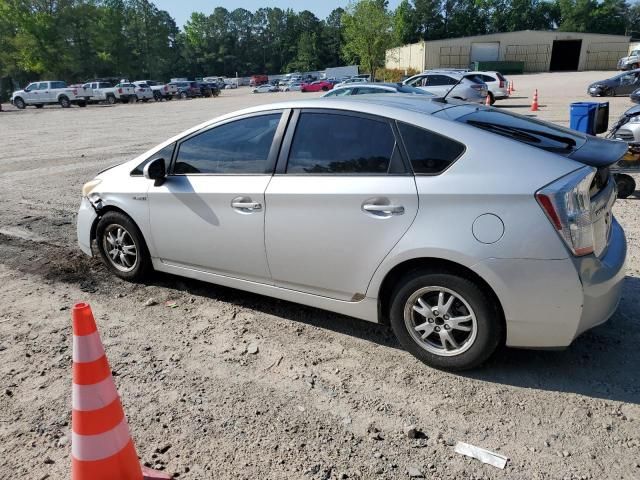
(405, 25)
(368, 33)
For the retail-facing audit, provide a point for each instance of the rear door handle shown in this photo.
(383, 209)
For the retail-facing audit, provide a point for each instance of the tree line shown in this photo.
(76, 40)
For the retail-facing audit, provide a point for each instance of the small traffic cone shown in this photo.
(513, 86)
(534, 104)
(509, 89)
(487, 101)
(101, 447)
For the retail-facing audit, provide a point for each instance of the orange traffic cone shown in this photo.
(509, 90)
(101, 447)
(534, 104)
(512, 85)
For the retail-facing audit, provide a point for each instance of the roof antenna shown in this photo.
(444, 99)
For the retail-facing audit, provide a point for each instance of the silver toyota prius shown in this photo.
(461, 226)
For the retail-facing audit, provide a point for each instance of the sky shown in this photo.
(181, 10)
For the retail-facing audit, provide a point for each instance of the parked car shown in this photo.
(161, 91)
(143, 92)
(205, 89)
(317, 86)
(627, 127)
(230, 83)
(292, 87)
(126, 92)
(101, 92)
(631, 62)
(44, 93)
(349, 81)
(635, 96)
(441, 82)
(458, 250)
(257, 80)
(188, 89)
(371, 88)
(621, 84)
(497, 84)
(214, 87)
(264, 88)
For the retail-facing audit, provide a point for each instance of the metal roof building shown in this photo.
(541, 51)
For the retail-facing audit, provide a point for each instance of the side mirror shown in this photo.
(156, 170)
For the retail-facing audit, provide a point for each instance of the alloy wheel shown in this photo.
(441, 321)
(120, 248)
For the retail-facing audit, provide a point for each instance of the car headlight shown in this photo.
(88, 187)
(635, 119)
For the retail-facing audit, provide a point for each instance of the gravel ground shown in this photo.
(228, 384)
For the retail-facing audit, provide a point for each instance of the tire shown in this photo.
(421, 288)
(64, 102)
(492, 99)
(111, 99)
(19, 103)
(157, 97)
(135, 266)
(324, 89)
(39, 105)
(133, 99)
(626, 185)
(183, 95)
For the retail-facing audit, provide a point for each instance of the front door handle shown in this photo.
(245, 204)
(383, 209)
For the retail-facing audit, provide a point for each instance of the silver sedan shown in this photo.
(462, 227)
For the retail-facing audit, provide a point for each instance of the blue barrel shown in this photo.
(583, 117)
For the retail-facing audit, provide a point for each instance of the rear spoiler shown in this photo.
(600, 152)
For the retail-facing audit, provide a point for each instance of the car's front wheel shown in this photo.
(445, 320)
(122, 247)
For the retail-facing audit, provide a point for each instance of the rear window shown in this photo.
(58, 85)
(430, 153)
(538, 134)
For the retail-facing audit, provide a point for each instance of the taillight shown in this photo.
(166, 88)
(567, 204)
(75, 92)
(119, 90)
(501, 83)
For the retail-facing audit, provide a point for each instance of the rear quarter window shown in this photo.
(430, 153)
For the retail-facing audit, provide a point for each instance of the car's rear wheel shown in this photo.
(122, 246)
(492, 99)
(626, 185)
(64, 102)
(445, 320)
(19, 103)
(111, 99)
(183, 95)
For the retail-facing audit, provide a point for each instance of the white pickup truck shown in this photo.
(632, 61)
(160, 90)
(105, 92)
(40, 94)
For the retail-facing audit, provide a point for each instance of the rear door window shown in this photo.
(430, 153)
(327, 143)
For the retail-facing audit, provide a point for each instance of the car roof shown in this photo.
(383, 105)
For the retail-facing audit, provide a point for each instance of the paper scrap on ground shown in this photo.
(481, 454)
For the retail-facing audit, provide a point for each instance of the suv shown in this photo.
(187, 89)
(441, 82)
(40, 94)
(497, 84)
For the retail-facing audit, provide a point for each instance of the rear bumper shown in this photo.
(602, 280)
(548, 303)
(86, 218)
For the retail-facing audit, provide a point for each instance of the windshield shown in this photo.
(635, 53)
(526, 130)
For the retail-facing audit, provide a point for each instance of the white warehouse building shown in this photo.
(541, 51)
